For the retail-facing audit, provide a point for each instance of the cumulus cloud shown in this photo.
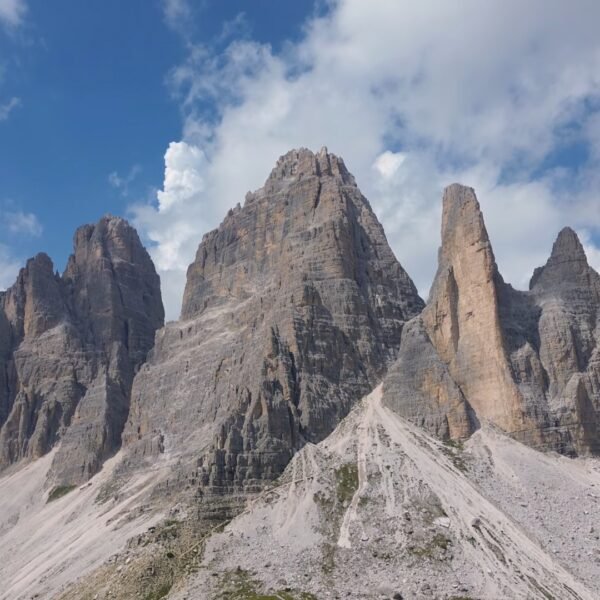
(388, 163)
(414, 96)
(12, 12)
(184, 211)
(8, 107)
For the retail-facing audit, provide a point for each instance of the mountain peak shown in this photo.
(302, 162)
(309, 200)
(86, 334)
(462, 220)
(567, 246)
(567, 262)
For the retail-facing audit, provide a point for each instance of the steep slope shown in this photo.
(70, 346)
(482, 352)
(47, 545)
(381, 509)
(293, 310)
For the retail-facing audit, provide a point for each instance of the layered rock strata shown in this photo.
(70, 346)
(482, 352)
(293, 310)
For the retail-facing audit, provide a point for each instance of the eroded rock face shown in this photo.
(566, 296)
(526, 362)
(69, 348)
(292, 311)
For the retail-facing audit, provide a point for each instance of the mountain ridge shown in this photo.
(306, 381)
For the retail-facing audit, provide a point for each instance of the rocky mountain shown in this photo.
(482, 352)
(292, 311)
(309, 428)
(70, 347)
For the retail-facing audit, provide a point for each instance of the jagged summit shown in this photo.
(567, 263)
(461, 321)
(302, 162)
(307, 195)
(33, 304)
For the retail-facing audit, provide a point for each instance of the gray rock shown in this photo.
(482, 352)
(293, 310)
(69, 348)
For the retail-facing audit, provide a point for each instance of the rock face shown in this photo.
(527, 362)
(557, 363)
(70, 346)
(293, 310)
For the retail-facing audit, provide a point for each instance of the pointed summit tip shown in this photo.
(568, 246)
(462, 221)
(566, 263)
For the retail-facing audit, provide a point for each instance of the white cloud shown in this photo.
(8, 107)
(184, 164)
(387, 163)
(122, 182)
(183, 213)
(177, 13)
(12, 12)
(22, 223)
(413, 96)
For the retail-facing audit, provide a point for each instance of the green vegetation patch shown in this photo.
(454, 451)
(346, 479)
(239, 585)
(456, 444)
(59, 491)
(161, 592)
(438, 542)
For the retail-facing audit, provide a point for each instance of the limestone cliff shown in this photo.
(293, 310)
(526, 362)
(562, 351)
(69, 348)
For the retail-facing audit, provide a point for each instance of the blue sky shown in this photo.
(92, 100)
(168, 111)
